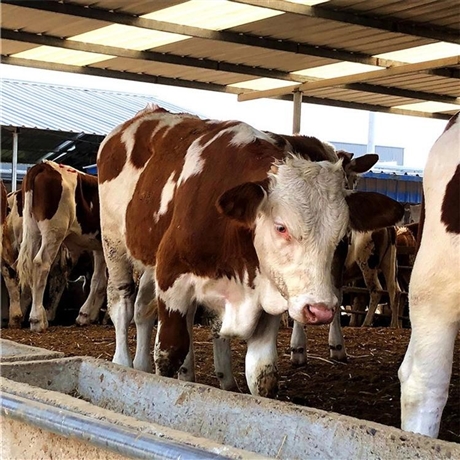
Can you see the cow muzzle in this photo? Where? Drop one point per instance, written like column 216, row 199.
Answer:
column 318, row 313
column 311, row 309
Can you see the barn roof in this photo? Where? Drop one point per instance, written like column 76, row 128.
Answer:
column 62, row 122
column 70, row 109
column 382, row 55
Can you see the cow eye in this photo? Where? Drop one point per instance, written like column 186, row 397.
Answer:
column 281, row 229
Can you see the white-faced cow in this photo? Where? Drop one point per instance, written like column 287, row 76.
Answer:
column 216, row 213
column 434, row 290
column 61, row 206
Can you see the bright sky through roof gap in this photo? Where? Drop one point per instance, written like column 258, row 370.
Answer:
column 423, row 53
column 62, row 56
column 213, row 15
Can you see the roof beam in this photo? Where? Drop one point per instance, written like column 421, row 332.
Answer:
column 356, row 17
column 367, row 107
column 155, row 79
column 112, row 17
column 402, row 92
column 355, row 78
column 108, row 73
column 222, row 66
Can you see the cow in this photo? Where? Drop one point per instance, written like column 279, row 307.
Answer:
column 405, row 253
column 434, row 290
column 375, row 252
column 11, row 238
column 3, row 202
column 216, row 213
column 61, row 207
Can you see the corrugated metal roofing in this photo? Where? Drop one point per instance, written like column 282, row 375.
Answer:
column 63, row 108
column 404, row 188
column 298, row 37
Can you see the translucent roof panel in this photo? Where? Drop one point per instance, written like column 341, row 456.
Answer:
column 215, row 15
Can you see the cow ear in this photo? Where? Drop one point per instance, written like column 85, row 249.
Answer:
column 242, row 202
column 371, row 211
column 362, row 164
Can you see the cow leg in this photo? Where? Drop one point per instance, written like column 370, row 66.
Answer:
column 172, row 342
column 373, row 285
column 41, row 268
column 336, row 342
column 57, row 282
column 120, row 298
column 337, row 349
column 223, row 363
column 89, row 312
column 145, row 314
column 298, row 345
column 187, row 369
column 261, row 357
column 426, row 370
column 389, row 269
column 14, row 294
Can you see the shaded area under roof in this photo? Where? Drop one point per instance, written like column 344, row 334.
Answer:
column 63, row 123
column 245, row 46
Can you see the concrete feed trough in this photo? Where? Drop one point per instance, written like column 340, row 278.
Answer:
column 13, row 351
column 140, row 415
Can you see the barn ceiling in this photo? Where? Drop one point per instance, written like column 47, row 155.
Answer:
column 394, row 56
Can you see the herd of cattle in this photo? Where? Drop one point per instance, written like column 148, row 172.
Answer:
column 188, row 212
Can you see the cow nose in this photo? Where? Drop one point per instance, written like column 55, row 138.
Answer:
column 318, row 313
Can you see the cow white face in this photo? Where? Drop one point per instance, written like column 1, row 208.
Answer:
column 298, row 218
column 297, row 229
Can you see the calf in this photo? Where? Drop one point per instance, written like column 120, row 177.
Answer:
column 61, row 206
column 217, row 213
column 434, row 291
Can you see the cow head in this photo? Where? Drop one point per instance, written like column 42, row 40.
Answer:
column 356, row 166
column 298, row 217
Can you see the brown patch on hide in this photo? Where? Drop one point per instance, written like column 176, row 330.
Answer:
column 45, row 183
column 450, row 211
column 173, row 340
column 87, row 203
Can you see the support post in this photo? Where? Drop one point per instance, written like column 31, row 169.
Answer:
column 14, row 161
column 371, row 133
column 297, row 112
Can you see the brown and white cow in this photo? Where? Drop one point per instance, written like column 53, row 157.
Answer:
column 61, row 206
column 434, row 290
column 216, row 213
column 406, row 244
column 374, row 253
column 3, row 202
column 11, row 240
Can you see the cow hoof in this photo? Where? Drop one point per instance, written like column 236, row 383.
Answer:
column 338, row 353
column 298, row 356
column 83, row 319
column 15, row 322
column 227, row 383
column 266, row 383
column 38, row 326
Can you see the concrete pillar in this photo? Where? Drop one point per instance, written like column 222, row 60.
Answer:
column 371, row 133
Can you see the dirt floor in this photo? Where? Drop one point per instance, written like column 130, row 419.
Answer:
column 366, row 387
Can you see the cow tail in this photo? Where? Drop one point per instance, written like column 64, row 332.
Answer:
column 30, row 243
